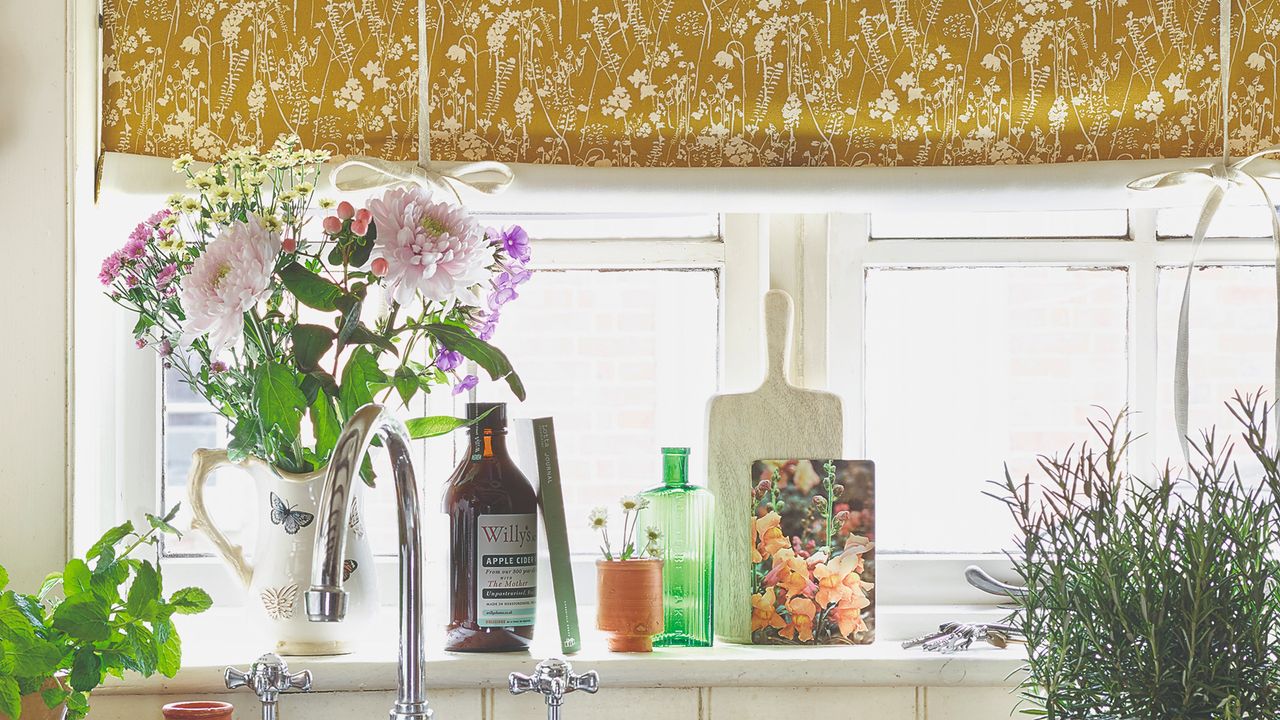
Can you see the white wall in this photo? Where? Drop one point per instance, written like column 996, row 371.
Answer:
column 34, row 295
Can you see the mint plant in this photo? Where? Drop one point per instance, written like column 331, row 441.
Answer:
column 112, row 617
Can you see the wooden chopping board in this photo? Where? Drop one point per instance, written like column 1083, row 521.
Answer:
column 776, row 421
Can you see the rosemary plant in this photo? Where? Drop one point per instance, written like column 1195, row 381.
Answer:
column 1151, row 600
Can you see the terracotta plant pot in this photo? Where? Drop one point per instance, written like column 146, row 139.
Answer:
column 630, row 603
column 197, row 710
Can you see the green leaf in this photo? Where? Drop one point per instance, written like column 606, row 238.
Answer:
column 4, row 578
column 310, row 289
column 360, row 334
column 406, row 383
column 163, row 525
column 83, row 617
column 278, row 399
column 10, row 697
column 77, row 705
column 14, row 623
column 144, row 599
column 142, row 652
column 436, row 425
column 169, row 657
column 76, row 578
column 493, row 360
column 350, row 319
column 86, row 669
column 109, row 539
column 316, row 381
column 310, row 343
column 244, row 439
column 35, row 657
column 53, row 697
column 190, row 601
column 325, row 424
column 361, row 371
column 173, row 512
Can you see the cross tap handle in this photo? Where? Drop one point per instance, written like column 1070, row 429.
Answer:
column 267, row 677
column 553, row 678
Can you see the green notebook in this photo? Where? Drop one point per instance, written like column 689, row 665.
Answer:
column 536, row 447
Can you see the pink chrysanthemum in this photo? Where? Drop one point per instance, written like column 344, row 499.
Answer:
column 232, row 275
column 433, row 248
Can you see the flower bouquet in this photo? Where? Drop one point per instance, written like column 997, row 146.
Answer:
column 273, row 320
column 810, row 556
column 288, row 329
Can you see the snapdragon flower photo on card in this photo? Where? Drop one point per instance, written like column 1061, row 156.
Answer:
column 812, row 555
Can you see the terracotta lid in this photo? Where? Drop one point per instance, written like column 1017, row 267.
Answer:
column 197, row 710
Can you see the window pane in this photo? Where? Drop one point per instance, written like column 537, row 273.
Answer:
column 554, row 226
column 1233, row 325
column 1042, row 224
column 189, row 424
column 624, row 362
column 970, row 368
column 1231, row 221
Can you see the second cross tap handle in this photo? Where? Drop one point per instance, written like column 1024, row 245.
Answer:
column 267, row 677
column 553, row 678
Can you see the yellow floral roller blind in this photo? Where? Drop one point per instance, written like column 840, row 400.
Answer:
column 695, row 82
column 202, row 76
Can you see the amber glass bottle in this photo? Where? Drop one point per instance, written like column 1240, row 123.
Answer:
column 493, row 543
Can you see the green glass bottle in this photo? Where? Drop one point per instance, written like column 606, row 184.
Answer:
column 683, row 513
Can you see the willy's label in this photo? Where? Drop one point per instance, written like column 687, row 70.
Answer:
column 507, row 559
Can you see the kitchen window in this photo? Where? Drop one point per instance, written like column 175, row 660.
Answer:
column 959, row 342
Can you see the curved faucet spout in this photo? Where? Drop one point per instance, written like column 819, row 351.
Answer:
column 326, row 600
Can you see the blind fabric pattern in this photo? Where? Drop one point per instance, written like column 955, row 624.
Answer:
column 205, row 76
column 673, row 83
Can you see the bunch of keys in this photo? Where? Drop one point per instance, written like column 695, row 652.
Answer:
column 956, row 636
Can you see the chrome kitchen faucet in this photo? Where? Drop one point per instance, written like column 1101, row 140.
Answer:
column 326, row 600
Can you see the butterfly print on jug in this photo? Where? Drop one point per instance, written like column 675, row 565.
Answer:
column 293, row 520
column 279, row 602
column 348, row 566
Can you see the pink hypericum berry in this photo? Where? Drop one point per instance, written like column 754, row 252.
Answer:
column 289, row 245
column 332, row 225
column 363, row 215
column 379, row 267
column 359, row 228
column 345, row 210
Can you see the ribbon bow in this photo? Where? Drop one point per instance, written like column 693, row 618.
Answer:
column 488, row 177
column 1220, row 177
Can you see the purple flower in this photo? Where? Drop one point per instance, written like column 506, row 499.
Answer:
column 166, row 348
column 488, row 328
column 218, row 366
column 111, row 267
column 158, row 217
column 466, row 384
column 448, row 360
column 139, row 343
column 135, row 248
column 515, row 241
column 166, row 275
column 501, row 296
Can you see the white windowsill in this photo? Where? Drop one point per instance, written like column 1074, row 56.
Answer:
column 211, row 643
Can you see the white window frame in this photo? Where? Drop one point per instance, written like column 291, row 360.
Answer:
column 822, row 260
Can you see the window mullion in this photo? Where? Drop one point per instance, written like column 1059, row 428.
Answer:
column 846, row 252
column 1143, row 337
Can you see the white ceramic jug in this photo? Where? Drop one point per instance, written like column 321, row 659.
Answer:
column 280, row 572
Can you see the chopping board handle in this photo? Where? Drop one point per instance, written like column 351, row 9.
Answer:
column 778, row 313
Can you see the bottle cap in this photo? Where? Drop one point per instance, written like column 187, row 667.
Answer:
column 495, row 420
